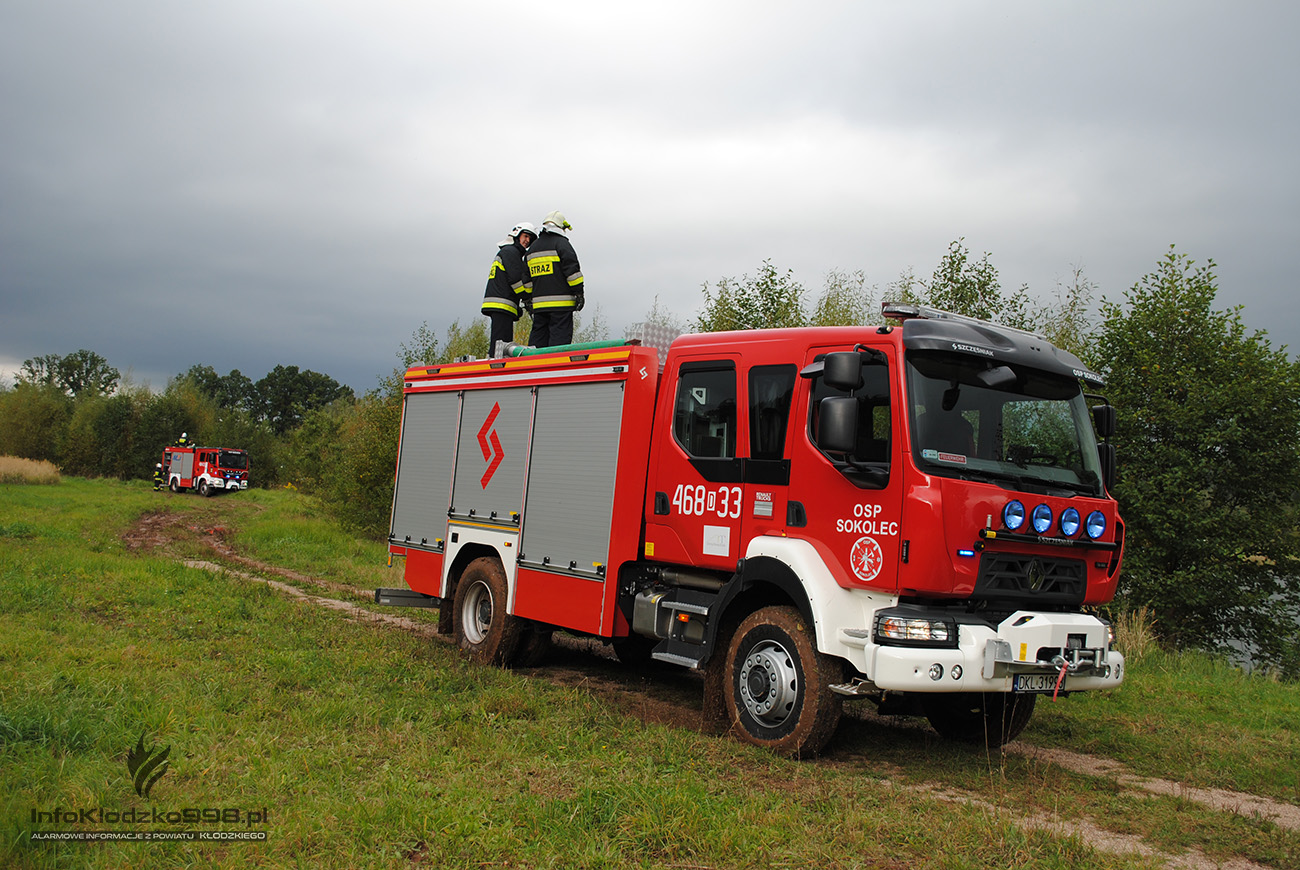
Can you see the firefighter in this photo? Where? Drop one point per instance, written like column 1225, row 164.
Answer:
column 183, row 441
column 507, row 284
column 557, row 283
column 157, row 476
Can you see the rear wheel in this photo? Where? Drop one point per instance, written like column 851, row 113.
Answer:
column 480, row 623
column 778, row 686
column 175, row 485
column 980, row 718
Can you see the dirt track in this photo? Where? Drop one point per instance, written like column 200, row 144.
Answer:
column 674, row 701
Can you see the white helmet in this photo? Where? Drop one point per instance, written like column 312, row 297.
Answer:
column 521, row 227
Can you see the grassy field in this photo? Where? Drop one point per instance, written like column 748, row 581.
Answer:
column 355, row 744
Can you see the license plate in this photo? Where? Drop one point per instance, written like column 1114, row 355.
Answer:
column 1034, row 684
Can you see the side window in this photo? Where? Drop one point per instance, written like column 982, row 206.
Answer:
column 868, row 464
column 771, row 390
column 704, row 418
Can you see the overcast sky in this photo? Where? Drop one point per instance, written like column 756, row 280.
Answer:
column 246, row 184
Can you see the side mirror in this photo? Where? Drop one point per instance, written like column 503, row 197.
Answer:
column 842, row 370
column 837, row 424
column 1103, row 418
column 1106, row 454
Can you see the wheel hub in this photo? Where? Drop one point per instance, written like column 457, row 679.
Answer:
column 769, row 683
column 477, row 613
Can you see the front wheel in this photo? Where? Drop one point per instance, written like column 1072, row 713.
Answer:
column 204, row 489
column 778, row 691
column 480, row 623
column 981, row 718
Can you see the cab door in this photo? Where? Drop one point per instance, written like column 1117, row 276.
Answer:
column 850, row 504
column 696, row 494
column 769, row 395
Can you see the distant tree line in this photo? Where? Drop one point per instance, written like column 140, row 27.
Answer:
column 1208, row 433
column 72, row 411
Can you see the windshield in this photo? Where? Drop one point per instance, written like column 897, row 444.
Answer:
column 1010, row 425
column 233, row 459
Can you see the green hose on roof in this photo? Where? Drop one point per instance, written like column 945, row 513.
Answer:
column 522, row 350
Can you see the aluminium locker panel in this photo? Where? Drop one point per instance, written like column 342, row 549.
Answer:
column 493, row 453
column 424, row 469
column 571, row 476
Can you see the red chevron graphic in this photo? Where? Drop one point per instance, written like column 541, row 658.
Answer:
column 493, row 454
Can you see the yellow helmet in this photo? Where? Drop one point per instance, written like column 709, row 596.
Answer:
column 556, row 222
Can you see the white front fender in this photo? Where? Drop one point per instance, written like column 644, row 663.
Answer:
column 841, row 617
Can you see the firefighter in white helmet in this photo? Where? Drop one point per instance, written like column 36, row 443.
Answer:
column 557, row 283
column 507, row 284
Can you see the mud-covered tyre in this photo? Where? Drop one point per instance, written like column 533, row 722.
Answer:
column 480, row 623
column 778, row 691
column 979, row 718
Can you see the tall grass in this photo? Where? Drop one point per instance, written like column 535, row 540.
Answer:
column 1135, row 634
column 16, row 470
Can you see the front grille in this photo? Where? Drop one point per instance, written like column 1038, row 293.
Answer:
column 1031, row 580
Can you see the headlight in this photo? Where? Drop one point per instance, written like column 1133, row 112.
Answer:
column 1013, row 515
column 1069, row 522
column 1096, row 524
column 910, row 630
column 1042, row 518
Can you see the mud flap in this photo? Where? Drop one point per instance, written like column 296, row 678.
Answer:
column 713, row 713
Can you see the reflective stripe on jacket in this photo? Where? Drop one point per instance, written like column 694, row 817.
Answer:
column 553, row 268
column 507, row 281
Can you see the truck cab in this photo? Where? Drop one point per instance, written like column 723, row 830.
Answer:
column 928, row 497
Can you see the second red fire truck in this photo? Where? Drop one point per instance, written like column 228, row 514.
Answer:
column 207, row 470
column 915, row 514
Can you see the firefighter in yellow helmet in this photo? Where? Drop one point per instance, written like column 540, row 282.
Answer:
column 507, row 284
column 557, row 283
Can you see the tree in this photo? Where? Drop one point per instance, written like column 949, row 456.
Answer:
column 844, row 301
column 228, row 391
column 40, row 370
column 595, row 329
column 769, row 300
column 77, row 374
column 34, row 421
column 1209, row 441
column 972, row 288
column 286, row 393
column 1067, row 321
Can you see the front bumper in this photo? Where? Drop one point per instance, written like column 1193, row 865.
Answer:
column 986, row 659
column 230, row 484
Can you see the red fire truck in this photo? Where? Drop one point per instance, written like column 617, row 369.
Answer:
column 206, row 469
column 915, row 514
